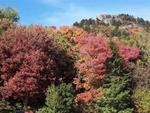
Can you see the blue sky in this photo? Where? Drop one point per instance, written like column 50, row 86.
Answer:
column 66, row 12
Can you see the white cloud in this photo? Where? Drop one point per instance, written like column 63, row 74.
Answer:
column 70, row 15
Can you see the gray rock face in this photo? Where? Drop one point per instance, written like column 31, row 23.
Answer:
column 108, row 19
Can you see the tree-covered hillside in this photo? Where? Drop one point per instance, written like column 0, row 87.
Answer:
column 95, row 66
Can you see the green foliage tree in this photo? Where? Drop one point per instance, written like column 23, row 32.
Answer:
column 9, row 13
column 141, row 99
column 59, row 99
column 88, row 25
column 116, row 87
column 141, row 87
column 121, row 34
column 141, row 76
column 8, row 17
column 116, row 96
column 65, row 44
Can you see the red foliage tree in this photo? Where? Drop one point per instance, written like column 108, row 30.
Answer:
column 29, row 62
column 94, row 52
column 127, row 53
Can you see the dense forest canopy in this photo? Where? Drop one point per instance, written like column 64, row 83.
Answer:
column 97, row 65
